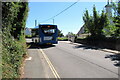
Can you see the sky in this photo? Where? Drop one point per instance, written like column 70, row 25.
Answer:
column 70, row 20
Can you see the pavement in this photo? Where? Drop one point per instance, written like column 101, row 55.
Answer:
column 33, row 66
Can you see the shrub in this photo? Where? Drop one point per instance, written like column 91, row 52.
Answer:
column 62, row 39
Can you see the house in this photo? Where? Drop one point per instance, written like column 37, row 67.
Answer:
column 27, row 31
column 81, row 31
column 109, row 8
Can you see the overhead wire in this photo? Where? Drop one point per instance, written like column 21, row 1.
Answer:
column 61, row 11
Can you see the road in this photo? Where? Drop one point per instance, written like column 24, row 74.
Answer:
column 69, row 61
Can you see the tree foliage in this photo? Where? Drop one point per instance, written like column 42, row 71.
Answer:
column 20, row 20
column 117, row 21
column 95, row 23
column 70, row 34
column 60, row 34
column 14, row 15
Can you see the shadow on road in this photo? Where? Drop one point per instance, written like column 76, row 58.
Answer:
column 86, row 47
column 115, row 58
column 37, row 46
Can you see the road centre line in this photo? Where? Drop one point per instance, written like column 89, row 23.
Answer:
column 50, row 65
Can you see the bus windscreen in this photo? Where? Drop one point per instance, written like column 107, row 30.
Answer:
column 48, row 30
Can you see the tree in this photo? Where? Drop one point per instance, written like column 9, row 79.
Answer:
column 60, row 34
column 117, row 21
column 88, row 22
column 95, row 23
column 70, row 34
column 14, row 15
column 19, row 23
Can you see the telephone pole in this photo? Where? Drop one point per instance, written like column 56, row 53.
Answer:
column 53, row 21
column 35, row 22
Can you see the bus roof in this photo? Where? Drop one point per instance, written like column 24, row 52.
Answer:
column 48, row 24
column 43, row 25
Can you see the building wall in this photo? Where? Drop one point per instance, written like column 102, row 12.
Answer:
column 27, row 31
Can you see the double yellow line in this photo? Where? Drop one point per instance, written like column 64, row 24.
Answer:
column 50, row 65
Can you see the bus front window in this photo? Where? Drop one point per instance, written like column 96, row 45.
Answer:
column 49, row 31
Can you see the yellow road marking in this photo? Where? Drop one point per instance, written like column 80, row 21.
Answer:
column 50, row 65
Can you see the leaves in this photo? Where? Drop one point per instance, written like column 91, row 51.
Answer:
column 60, row 34
column 95, row 23
column 14, row 15
column 99, row 24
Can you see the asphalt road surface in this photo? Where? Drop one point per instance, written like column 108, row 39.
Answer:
column 69, row 61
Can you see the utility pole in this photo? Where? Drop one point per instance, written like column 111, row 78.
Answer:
column 53, row 21
column 35, row 22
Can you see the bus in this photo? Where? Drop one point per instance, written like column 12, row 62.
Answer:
column 45, row 34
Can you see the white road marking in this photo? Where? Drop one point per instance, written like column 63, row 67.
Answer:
column 29, row 58
column 50, row 65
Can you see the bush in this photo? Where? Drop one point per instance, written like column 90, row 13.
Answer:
column 12, row 55
column 13, row 39
column 103, row 42
column 28, row 36
column 62, row 39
